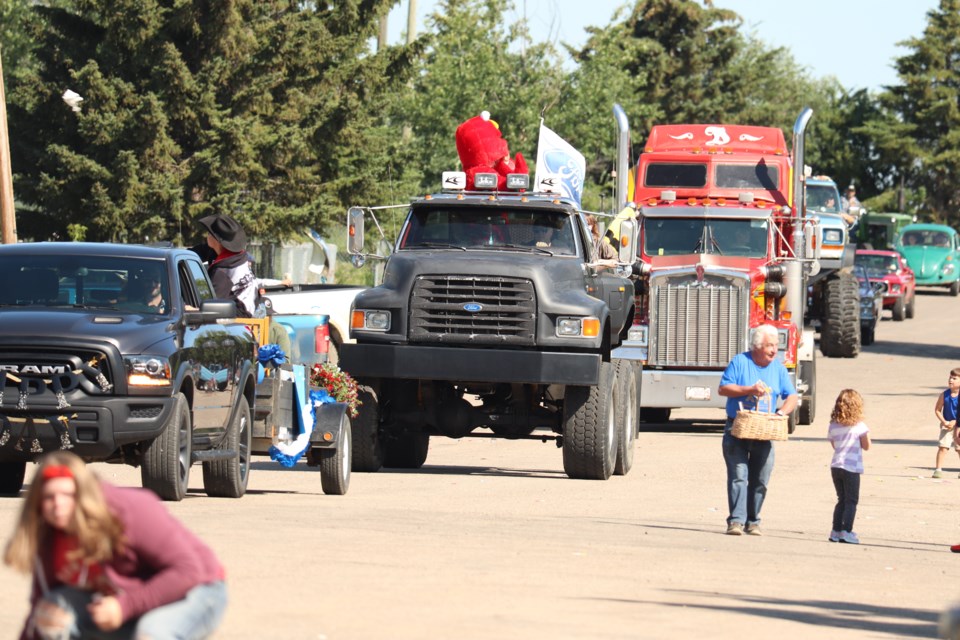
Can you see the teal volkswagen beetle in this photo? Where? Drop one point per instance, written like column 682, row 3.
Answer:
column 933, row 252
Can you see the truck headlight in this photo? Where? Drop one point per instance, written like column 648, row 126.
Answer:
column 638, row 334
column 370, row 320
column 578, row 327
column 832, row 236
column 147, row 371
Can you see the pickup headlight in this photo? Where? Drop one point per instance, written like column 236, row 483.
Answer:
column 578, row 327
column 370, row 320
column 147, row 371
column 832, row 236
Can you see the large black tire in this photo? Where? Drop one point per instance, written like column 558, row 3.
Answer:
column 12, row 475
column 625, row 410
column 590, row 429
column 228, row 478
column 406, row 451
column 912, row 306
column 808, row 401
column 899, row 310
column 840, row 325
column 367, row 449
column 955, row 288
column 335, row 464
column 166, row 461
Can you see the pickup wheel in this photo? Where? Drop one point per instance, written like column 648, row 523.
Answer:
column 625, row 410
column 367, row 449
column 11, row 477
column 590, row 428
column 228, row 478
column 166, row 461
column 335, row 464
column 406, row 451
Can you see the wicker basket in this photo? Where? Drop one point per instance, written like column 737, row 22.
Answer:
column 759, row 425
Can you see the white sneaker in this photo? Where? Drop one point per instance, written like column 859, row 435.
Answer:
column 849, row 537
column 834, row 536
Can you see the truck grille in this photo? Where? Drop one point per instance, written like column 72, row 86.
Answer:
column 474, row 310
column 85, row 369
column 698, row 324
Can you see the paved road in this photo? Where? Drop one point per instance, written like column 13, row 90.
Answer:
column 490, row 539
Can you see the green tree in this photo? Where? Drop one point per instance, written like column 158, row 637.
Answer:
column 266, row 110
column 921, row 126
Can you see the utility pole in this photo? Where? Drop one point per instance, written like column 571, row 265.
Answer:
column 8, row 220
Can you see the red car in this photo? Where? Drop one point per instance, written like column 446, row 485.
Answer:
column 900, row 284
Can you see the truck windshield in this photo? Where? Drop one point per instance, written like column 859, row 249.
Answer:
column 125, row 284
column 823, row 198
column 491, row 228
column 683, row 236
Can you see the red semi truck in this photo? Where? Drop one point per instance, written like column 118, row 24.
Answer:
column 721, row 251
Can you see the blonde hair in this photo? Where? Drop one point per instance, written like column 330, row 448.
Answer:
column 98, row 531
column 848, row 410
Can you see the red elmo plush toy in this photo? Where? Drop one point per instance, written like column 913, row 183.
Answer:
column 482, row 149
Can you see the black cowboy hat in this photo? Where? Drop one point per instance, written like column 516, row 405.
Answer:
column 226, row 230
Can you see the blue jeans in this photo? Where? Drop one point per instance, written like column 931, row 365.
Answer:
column 847, row 484
column 749, row 465
column 193, row 618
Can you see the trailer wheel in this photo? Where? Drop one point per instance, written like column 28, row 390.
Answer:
column 166, row 461
column 406, row 450
column 11, row 477
column 335, row 464
column 625, row 411
column 808, row 402
column 367, row 450
column 590, row 428
column 840, row 326
column 228, row 478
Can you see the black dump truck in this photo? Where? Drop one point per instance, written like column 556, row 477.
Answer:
column 122, row 354
column 494, row 319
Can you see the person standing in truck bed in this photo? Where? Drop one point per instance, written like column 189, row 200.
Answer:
column 230, row 270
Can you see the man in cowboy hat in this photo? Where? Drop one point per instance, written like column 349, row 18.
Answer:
column 229, row 269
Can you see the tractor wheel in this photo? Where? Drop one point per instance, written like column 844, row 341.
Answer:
column 840, row 327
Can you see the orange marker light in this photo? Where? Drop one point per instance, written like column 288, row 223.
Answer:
column 591, row 327
column 356, row 321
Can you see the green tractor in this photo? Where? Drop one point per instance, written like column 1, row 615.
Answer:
column 880, row 230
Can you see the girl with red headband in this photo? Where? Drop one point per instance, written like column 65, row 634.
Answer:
column 110, row 562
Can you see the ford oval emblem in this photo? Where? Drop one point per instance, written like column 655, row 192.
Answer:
column 472, row 307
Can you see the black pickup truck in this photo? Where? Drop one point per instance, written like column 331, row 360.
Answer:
column 493, row 314
column 122, row 354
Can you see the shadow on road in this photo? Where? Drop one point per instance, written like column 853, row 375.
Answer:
column 450, row 470
column 680, row 425
column 899, row 622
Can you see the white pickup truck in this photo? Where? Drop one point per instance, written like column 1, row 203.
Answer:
column 333, row 300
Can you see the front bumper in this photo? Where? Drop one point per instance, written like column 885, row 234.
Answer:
column 416, row 362
column 676, row 389
column 99, row 427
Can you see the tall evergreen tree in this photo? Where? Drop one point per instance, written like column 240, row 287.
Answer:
column 266, row 110
column 924, row 126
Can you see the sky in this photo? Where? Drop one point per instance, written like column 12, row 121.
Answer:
column 853, row 40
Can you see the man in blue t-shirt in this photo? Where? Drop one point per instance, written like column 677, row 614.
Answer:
column 750, row 376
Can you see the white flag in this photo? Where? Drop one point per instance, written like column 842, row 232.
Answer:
column 559, row 166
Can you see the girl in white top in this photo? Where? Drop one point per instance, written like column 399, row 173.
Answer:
column 849, row 437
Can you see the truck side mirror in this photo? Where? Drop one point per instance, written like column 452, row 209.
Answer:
column 355, row 231
column 627, row 242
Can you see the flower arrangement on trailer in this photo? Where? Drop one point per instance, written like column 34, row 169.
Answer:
column 338, row 383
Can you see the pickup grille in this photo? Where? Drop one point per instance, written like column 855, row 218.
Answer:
column 474, row 310
column 73, row 371
column 698, row 324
